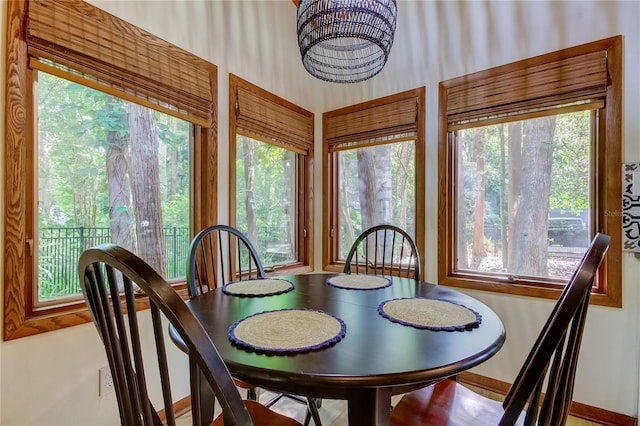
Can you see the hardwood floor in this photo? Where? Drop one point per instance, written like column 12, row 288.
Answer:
column 334, row 412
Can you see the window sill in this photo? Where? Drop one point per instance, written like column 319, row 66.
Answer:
column 295, row 269
column 57, row 318
column 334, row 267
column 553, row 293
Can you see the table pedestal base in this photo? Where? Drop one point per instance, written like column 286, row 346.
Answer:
column 370, row 407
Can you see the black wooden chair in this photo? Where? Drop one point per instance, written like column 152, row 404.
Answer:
column 113, row 281
column 220, row 254
column 552, row 361
column 384, row 250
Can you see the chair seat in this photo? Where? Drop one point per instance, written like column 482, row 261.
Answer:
column 262, row 416
column 446, row 403
column 242, row 384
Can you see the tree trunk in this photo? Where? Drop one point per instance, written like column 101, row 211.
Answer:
column 461, row 218
column 173, row 187
column 289, row 194
column 504, row 209
column 515, row 171
column 406, row 156
column 367, row 193
column 384, row 180
column 249, row 150
column 118, row 188
column 174, row 177
column 145, row 184
column 478, row 252
column 347, row 223
column 367, row 187
column 384, row 195
column 530, row 243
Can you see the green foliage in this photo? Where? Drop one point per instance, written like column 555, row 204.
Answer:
column 73, row 124
column 570, row 168
column 174, row 212
column 272, row 197
column 571, row 163
column 402, row 189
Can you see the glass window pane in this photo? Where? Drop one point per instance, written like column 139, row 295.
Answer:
column 524, row 196
column 376, row 185
column 266, row 207
column 108, row 171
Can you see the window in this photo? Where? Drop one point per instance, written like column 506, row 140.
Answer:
column 531, row 172
column 271, row 150
column 373, row 175
column 117, row 153
column 98, row 159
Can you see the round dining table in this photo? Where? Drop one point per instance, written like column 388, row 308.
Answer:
column 376, row 357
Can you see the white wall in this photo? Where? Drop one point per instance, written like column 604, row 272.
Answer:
column 52, row 378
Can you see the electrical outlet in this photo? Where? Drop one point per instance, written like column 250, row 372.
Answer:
column 105, row 381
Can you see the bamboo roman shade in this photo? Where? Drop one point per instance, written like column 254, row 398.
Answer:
column 545, row 85
column 262, row 114
column 393, row 117
column 119, row 55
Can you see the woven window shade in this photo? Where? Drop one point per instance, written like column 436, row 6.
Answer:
column 82, row 37
column 556, row 82
column 262, row 114
column 380, row 122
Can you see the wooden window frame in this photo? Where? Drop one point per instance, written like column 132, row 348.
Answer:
column 274, row 120
column 608, row 194
column 20, row 215
column 368, row 126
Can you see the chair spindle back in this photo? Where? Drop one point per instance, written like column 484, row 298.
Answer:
column 384, row 250
column 113, row 281
column 554, row 355
column 221, row 254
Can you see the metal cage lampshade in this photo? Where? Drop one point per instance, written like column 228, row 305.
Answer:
column 345, row 41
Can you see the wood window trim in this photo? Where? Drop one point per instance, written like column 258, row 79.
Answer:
column 608, row 168
column 302, row 146
column 330, row 241
column 20, row 319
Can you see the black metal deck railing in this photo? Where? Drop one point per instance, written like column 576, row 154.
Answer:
column 59, row 250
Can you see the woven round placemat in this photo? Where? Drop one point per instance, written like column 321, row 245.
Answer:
column 258, row 287
column 287, row 331
column 431, row 314
column 359, row 281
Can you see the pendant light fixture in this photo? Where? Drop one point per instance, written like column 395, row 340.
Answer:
column 345, row 41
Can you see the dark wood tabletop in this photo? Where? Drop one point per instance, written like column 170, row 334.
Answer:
column 377, row 357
